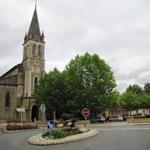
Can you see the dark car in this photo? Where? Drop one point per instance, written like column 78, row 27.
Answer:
column 146, row 116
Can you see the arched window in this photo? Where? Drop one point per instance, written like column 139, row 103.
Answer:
column 7, row 99
column 39, row 50
column 35, row 82
column 33, row 50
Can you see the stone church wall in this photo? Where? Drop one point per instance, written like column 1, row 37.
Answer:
column 9, row 81
column 8, row 113
column 17, row 84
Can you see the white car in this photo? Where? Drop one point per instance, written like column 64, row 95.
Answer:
column 116, row 118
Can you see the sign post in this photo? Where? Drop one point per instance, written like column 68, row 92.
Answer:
column 50, row 126
column 85, row 113
column 54, row 118
column 42, row 108
column 20, row 110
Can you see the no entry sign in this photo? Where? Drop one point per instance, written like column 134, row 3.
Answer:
column 85, row 112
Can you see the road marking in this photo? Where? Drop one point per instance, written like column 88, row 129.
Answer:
column 123, row 129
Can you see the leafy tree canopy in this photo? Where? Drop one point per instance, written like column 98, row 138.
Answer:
column 130, row 101
column 87, row 81
column 135, row 89
column 135, row 97
column 147, row 88
column 52, row 92
column 91, row 82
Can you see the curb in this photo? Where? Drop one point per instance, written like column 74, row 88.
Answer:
column 38, row 140
column 1, row 130
column 110, row 125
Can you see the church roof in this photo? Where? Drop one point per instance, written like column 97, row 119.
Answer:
column 34, row 26
column 11, row 76
column 34, row 32
column 17, row 67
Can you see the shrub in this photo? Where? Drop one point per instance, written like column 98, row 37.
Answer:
column 46, row 134
column 71, row 131
column 66, row 116
column 61, row 133
column 55, row 134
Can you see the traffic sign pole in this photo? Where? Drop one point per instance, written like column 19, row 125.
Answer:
column 85, row 118
column 85, row 113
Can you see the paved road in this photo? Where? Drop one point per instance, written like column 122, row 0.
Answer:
column 110, row 138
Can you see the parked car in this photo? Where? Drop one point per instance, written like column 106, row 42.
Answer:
column 146, row 116
column 97, row 120
column 116, row 118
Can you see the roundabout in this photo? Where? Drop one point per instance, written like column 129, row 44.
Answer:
column 39, row 140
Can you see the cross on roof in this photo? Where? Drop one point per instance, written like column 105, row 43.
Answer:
column 35, row 2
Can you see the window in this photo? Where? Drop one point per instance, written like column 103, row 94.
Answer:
column 35, row 82
column 7, row 99
column 39, row 50
column 34, row 48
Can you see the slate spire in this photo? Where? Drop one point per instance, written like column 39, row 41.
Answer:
column 34, row 32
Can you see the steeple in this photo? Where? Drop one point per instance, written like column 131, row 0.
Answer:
column 34, row 29
column 33, row 56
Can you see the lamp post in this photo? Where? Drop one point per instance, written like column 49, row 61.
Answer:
column 42, row 107
column 54, row 117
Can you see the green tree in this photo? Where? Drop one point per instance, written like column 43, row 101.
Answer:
column 135, row 89
column 145, row 101
column 87, row 81
column 52, row 92
column 90, row 82
column 130, row 101
column 132, row 98
column 115, row 100
column 147, row 88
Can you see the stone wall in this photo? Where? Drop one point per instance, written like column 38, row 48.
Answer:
column 8, row 113
column 9, row 81
column 138, row 120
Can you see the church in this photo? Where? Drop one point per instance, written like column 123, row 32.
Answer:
column 17, row 85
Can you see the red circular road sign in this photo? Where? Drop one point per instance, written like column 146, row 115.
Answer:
column 85, row 112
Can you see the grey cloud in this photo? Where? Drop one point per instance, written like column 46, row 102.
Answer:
column 119, row 31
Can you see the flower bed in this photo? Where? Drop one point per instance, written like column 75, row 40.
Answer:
column 71, row 131
column 61, row 133
column 15, row 126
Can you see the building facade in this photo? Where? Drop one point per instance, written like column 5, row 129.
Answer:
column 17, row 85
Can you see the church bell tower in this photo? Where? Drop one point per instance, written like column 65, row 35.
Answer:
column 33, row 56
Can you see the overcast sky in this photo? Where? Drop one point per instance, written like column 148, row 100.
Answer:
column 117, row 30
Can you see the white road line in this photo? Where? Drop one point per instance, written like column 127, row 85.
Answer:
column 123, row 129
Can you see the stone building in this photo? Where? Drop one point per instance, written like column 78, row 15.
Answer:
column 17, row 85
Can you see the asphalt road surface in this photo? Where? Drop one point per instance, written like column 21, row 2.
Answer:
column 110, row 138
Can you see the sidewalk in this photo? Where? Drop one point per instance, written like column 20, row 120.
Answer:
column 117, row 124
column 2, row 125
